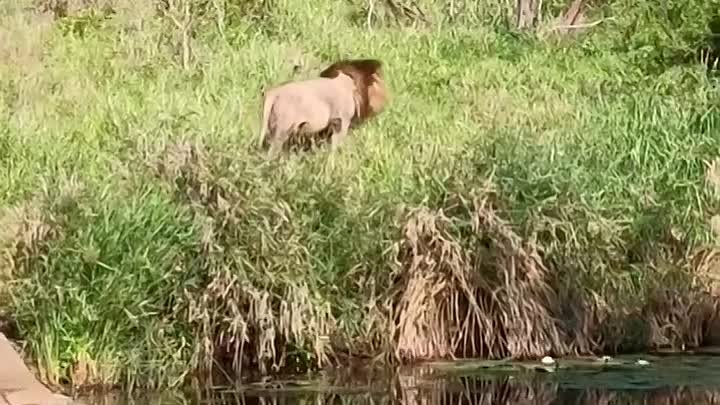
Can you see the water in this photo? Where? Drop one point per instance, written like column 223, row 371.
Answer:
column 677, row 380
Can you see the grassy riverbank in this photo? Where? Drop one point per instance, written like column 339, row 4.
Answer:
column 519, row 196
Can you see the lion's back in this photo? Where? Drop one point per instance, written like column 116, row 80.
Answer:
column 301, row 102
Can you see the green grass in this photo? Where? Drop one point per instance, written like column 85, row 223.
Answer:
column 159, row 232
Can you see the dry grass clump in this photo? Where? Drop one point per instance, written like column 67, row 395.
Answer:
column 240, row 324
column 21, row 47
column 679, row 312
column 23, row 230
column 487, row 296
column 705, row 272
column 253, row 309
column 467, row 284
column 72, row 8
column 27, row 227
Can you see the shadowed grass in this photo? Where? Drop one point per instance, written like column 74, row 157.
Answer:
column 518, row 197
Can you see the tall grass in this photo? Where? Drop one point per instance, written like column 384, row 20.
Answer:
column 519, row 197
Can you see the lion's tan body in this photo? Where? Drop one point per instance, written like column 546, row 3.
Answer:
column 308, row 106
column 348, row 92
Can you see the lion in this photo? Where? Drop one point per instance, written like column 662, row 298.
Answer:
column 346, row 94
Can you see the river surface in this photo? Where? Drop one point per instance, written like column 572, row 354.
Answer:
column 677, row 380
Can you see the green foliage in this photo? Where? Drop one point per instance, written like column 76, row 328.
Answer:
column 597, row 148
column 110, row 287
column 657, row 36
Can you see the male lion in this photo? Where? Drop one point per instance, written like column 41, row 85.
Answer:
column 346, row 93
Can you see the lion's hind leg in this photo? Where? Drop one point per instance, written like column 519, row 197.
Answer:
column 281, row 138
column 275, row 146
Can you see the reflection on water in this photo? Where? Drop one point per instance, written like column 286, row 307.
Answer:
column 677, row 381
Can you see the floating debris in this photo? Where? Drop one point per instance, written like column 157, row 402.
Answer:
column 545, row 364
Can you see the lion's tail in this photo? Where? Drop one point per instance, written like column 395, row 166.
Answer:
column 267, row 120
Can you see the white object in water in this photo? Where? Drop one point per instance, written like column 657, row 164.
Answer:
column 547, row 360
column 606, row 358
column 642, row 362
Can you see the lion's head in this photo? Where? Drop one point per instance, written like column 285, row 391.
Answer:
column 368, row 77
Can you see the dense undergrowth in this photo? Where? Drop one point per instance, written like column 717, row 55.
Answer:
column 521, row 196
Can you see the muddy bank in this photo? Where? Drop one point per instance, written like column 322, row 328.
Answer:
column 18, row 386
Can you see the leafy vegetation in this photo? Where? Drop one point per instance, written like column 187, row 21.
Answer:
column 522, row 195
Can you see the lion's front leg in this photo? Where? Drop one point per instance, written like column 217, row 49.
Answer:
column 340, row 131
